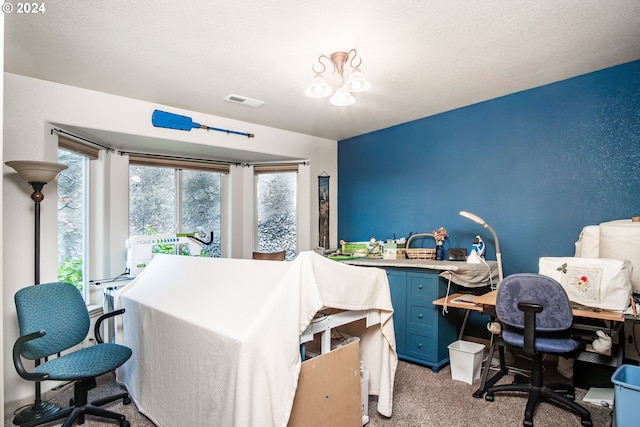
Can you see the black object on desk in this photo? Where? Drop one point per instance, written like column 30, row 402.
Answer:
column 114, row 282
column 457, row 254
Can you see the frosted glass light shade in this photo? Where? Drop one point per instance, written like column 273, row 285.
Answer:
column 319, row 88
column 357, row 82
column 342, row 98
column 35, row 171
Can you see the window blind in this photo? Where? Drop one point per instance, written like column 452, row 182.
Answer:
column 178, row 163
column 87, row 150
column 275, row 168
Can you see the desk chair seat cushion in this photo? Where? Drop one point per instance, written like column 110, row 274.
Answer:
column 88, row 362
column 557, row 345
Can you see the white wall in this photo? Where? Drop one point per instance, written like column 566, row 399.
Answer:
column 31, row 105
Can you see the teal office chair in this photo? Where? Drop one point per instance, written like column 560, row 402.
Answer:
column 53, row 318
column 536, row 316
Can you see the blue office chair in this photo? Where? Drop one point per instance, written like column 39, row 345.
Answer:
column 536, row 316
column 53, row 318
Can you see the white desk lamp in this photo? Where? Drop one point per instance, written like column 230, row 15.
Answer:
column 482, row 222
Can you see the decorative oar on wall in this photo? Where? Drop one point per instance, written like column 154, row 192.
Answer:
column 163, row 119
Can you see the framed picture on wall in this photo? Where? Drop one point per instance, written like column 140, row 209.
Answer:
column 323, row 206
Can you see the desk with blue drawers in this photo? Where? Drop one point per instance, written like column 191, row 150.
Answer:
column 422, row 332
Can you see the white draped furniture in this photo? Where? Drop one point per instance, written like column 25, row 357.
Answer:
column 217, row 341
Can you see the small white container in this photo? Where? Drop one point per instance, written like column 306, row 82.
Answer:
column 465, row 358
column 364, row 391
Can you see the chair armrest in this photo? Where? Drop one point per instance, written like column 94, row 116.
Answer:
column 530, row 310
column 96, row 331
column 17, row 359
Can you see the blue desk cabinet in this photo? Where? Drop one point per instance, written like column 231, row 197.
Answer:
column 398, row 287
column 422, row 333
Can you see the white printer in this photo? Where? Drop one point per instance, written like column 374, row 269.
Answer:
column 140, row 249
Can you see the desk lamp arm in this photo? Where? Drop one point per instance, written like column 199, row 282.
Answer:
column 475, row 218
column 498, row 253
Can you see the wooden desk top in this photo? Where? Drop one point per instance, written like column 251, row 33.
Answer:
column 464, row 305
column 489, row 300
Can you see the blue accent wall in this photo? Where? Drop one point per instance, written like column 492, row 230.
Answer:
column 536, row 165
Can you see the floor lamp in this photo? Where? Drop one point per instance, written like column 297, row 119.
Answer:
column 37, row 174
column 482, row 222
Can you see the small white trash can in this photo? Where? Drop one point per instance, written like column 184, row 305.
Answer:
column 465, row 358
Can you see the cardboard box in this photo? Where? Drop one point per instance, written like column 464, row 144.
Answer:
column 328, row 391
column 393, row 251
column 353, row 247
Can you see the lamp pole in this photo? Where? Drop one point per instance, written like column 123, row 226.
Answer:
column 37, row 197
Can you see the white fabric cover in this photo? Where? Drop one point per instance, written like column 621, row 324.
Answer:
column 620, row 239
column 588, row 244
column 216, row 341
column 594, row 282
column 462, row 273
column 472, row 275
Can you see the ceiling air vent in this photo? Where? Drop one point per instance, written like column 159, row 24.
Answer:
column 237, row 99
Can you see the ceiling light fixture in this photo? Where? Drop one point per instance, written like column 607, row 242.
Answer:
column 319, row 88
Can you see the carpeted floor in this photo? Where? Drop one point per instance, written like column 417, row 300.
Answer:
column 421, row 398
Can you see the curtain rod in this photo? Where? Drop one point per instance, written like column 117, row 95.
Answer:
column 163, row 156
column 306, row 162
column 64, row 132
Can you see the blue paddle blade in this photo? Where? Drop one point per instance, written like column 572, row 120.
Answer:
column 163, row 119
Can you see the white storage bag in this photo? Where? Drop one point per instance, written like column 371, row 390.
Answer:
column 588, row 244
column 594, row 282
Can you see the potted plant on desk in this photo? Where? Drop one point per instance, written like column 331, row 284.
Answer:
column 440, row 235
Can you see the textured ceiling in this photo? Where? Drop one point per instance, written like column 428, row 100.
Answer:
column 421, row 57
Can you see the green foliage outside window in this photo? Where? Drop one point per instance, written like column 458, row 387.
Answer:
column 70, row 270
column 71, row 218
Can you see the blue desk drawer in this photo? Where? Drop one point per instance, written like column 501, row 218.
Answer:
column 422, row 316
column 423, row 286
column 421, row 346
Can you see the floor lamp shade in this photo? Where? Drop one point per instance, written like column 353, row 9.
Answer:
column 34, row 171
column 37, row 174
